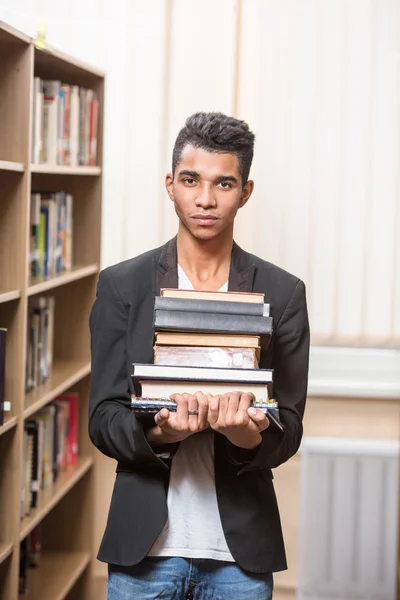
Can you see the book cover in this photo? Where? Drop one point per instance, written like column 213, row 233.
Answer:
column 181, row 373
column 165, row 320
column 212, row 295
column 176, row 338
column 212, row 306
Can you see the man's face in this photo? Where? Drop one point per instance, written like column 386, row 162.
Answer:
column 207, row 191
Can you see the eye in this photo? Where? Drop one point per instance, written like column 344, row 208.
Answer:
column 189, row 181
column 225, row 185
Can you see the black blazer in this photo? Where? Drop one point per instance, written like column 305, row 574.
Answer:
column 121, row 325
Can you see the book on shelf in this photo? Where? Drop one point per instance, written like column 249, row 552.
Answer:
column 64, row 124
column 50, row 446
column 30, row 554
column 51, row 233
column 5, row 405
column 205, row 341
column 40, row 337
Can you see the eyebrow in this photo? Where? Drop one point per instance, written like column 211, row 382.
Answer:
column 196, row 175
column 188, row 173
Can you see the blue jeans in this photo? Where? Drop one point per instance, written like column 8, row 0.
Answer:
column 184, row 579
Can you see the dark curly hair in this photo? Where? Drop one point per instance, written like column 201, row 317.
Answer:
column 216, row 132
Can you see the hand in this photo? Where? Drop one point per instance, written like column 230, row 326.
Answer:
column 176, row 426
column 231, row 415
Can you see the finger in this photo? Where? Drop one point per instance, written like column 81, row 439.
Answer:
column 161, row 418
column 202, row 402
column 213, row 410
column 232, row 408
column 223, row 409
column 182, row 421
column 193, row 407
column 259, row 418
column 245, row 402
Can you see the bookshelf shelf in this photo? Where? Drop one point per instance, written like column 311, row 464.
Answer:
column 65, row 170
column 40, row 285
column 9, row 296
column 31, row 228
column 5, row 551
column 50, row 496
column 10, row 165
column 64, row 375
column 8, row 424
column 56, row 575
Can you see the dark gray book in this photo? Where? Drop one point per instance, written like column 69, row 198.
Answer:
column 211, row 306
column 206, row 322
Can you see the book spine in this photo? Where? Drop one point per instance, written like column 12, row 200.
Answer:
column 192, row 356
column 3, row 337
column 211, row 323
column 209, row 306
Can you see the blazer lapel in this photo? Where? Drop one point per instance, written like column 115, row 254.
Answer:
column 242, row 272
column 165, row 269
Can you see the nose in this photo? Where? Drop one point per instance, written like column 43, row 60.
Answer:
column 206, row 197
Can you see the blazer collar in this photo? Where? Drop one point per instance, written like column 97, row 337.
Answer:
column 241, row 273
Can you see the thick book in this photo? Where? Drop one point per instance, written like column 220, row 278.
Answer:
column 177, row 338
column 191, row 356
column 211, row 306
column 145, row 408
column 165, row 320
column 251, row 297
column 159, row 388
column 180, row 373
column 3, row 338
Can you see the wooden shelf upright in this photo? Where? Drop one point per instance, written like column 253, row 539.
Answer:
column 64, row 510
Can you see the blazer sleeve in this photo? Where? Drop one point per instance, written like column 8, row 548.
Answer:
column 113, row 428
column 290, row 363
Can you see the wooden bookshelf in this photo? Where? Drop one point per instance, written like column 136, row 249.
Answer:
column 64, row 510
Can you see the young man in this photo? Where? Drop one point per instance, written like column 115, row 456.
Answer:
column 193, row 512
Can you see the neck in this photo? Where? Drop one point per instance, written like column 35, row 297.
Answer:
column 205, row 261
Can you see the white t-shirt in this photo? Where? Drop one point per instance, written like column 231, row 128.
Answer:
column 193, row 528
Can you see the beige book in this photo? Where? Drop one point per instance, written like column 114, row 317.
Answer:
column 250, row 297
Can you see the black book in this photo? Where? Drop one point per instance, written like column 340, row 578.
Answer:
column 206, row 322
column 32, row 428
column 230, row 375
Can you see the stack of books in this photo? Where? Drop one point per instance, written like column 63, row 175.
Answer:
column 209, row 342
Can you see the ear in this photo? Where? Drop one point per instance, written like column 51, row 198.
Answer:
column 169, row 181
column 246, row 193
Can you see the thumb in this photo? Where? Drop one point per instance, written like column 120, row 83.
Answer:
column 161, row 417
column 258, row 417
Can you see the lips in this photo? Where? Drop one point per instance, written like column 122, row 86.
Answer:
column 206, row 220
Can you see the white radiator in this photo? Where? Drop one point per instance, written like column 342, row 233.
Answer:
column 348, row 519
